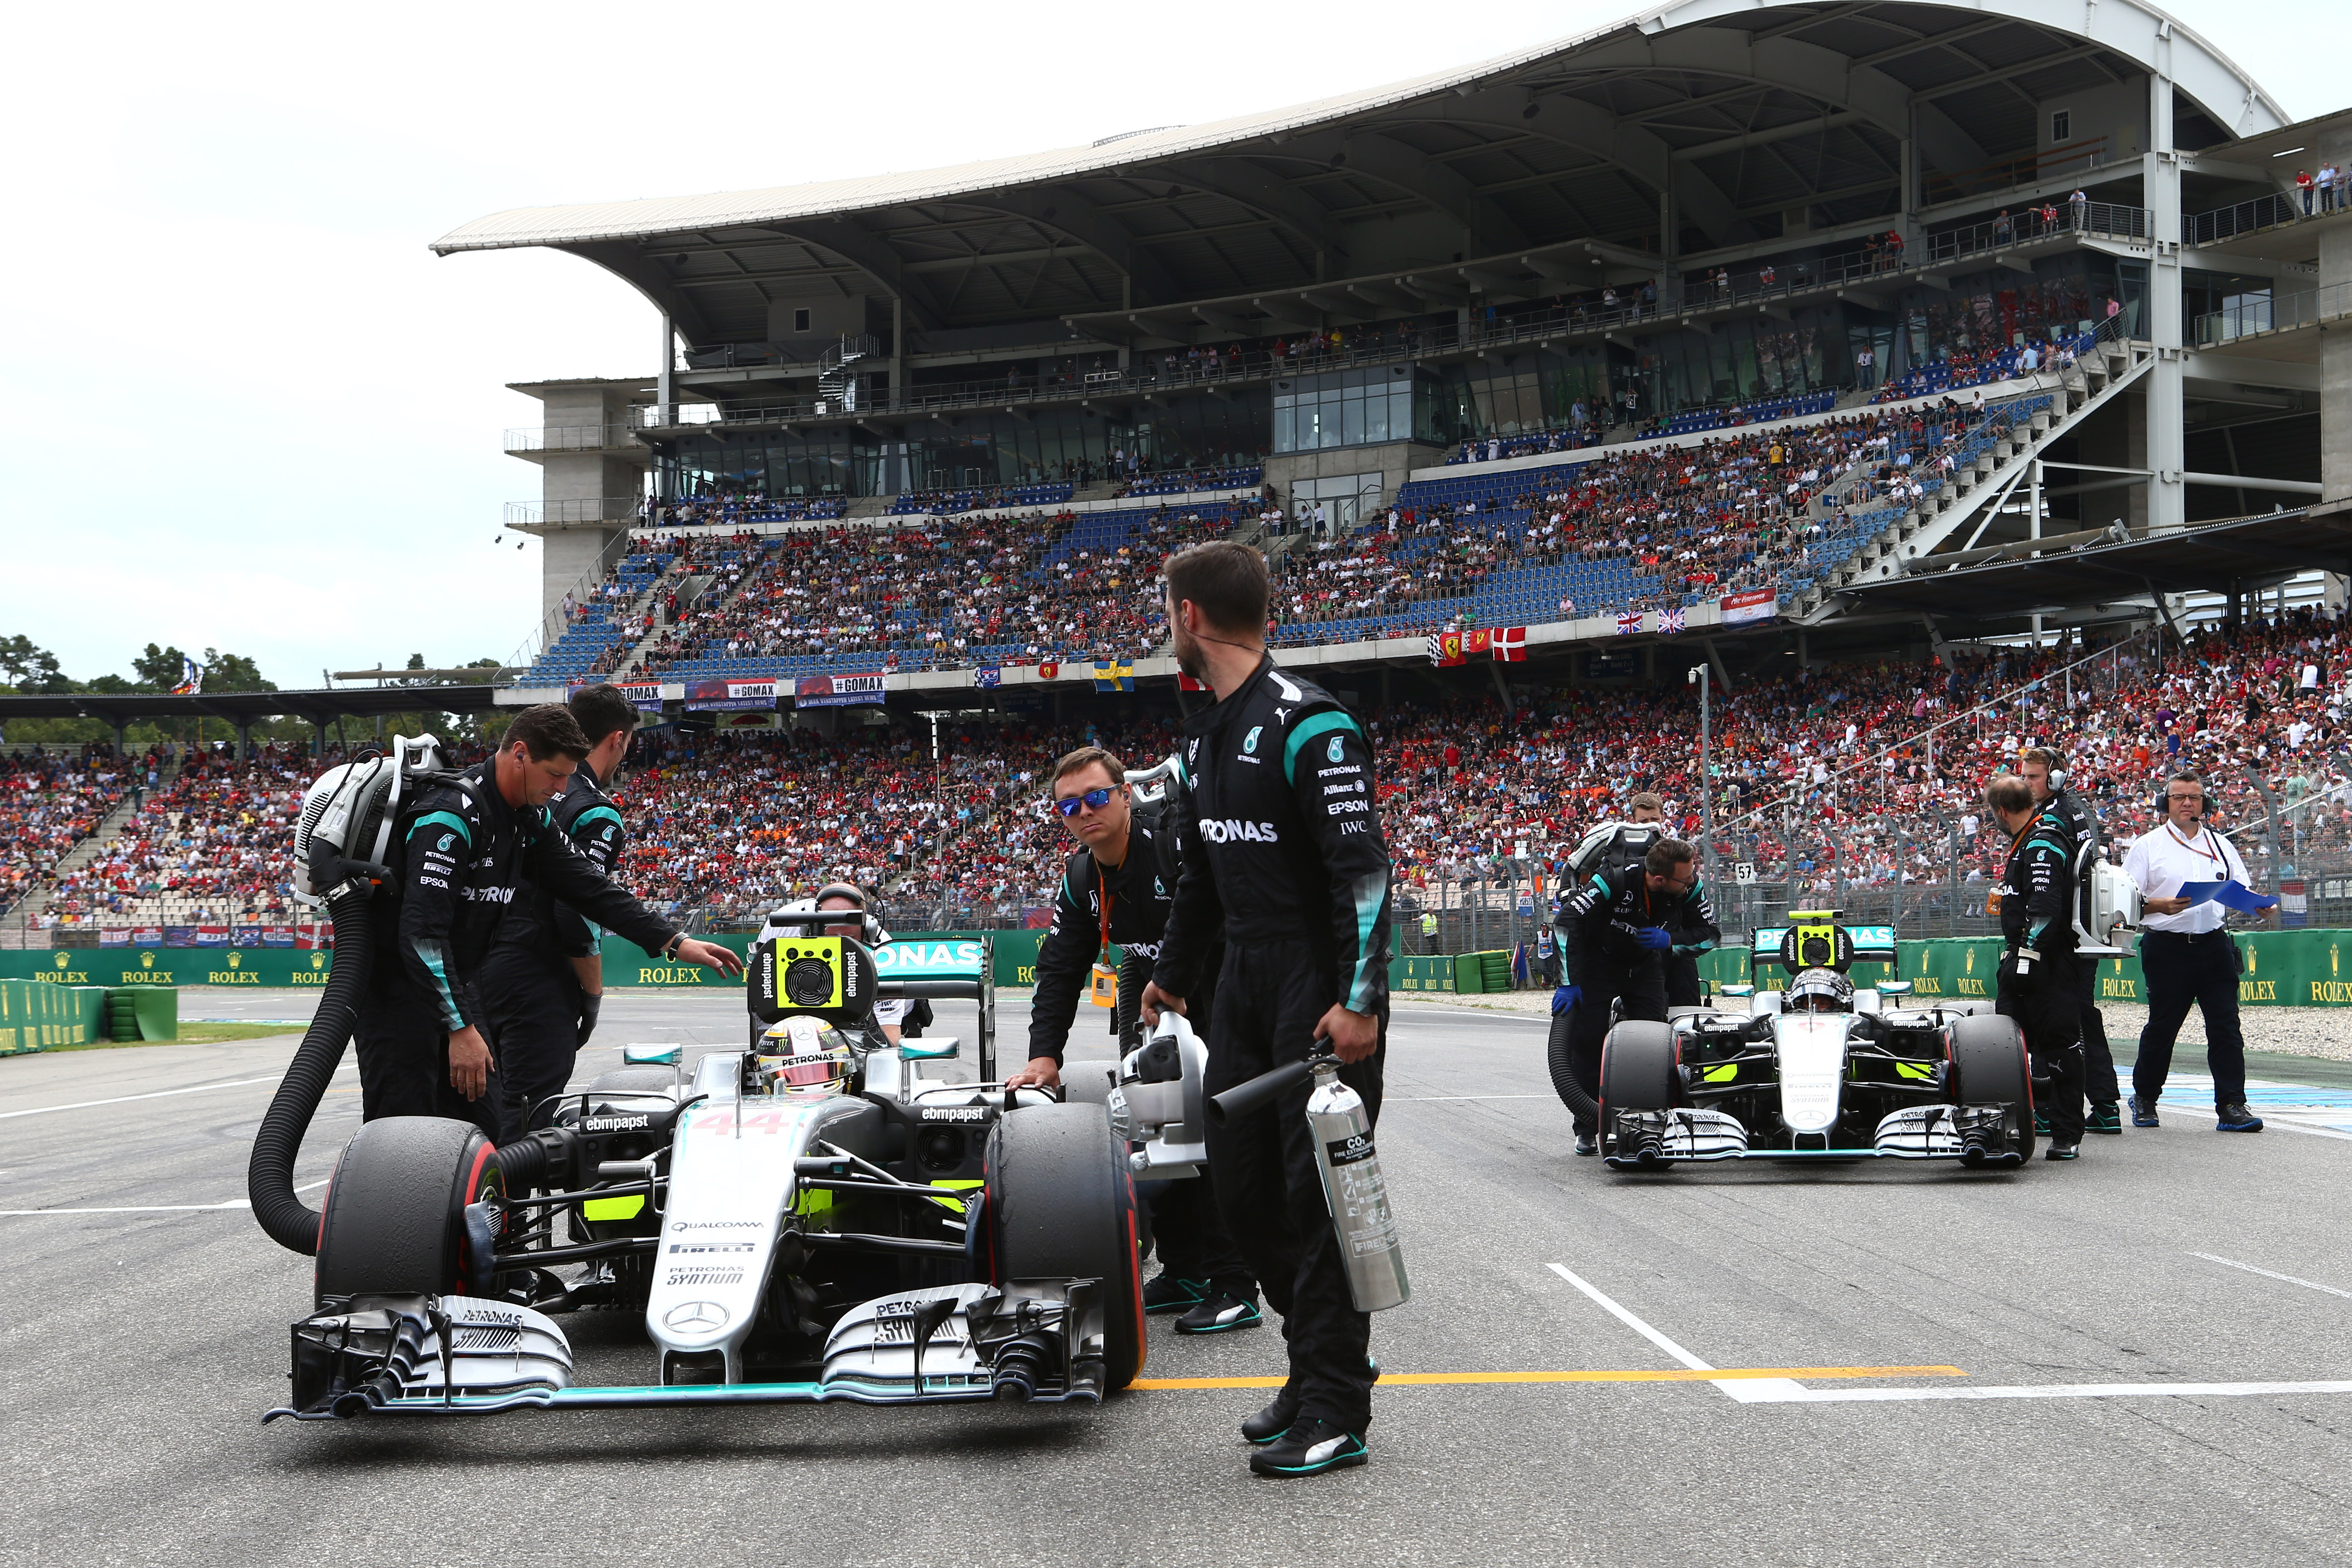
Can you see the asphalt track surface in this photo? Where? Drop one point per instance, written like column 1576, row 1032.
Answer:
column 2140, row 1357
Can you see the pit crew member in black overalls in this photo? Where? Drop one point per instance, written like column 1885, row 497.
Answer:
column 544, row 979
column 2037, row 963
column 2039, row 767
column 1118, row 889
column 1617, row 934
column 461, row 851
column 1682, row 959
column 1283, row 854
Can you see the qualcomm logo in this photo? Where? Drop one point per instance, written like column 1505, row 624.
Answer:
column 696, row 1317
column 1249, row 741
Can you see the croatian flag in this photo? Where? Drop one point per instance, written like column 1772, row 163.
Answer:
column 1628, row 622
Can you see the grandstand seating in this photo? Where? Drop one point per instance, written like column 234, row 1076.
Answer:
column 946, row 503
column 49, row 803
column 734, row 822
column 1183, row 481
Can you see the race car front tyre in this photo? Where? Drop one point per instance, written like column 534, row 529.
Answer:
column 394, row 1221
column 1989, row 1063
column 1061, row 1205
column 1637, row 1074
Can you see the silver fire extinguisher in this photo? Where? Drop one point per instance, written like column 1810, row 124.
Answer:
column 1353, row 1189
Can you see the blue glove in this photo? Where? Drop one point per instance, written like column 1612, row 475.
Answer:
column 1655, row 938
column 1564, row 998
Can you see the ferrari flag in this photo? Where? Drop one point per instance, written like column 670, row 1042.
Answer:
column 1446, row 648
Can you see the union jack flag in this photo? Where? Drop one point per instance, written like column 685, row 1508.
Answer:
column 1670, row 621
column 1628, row 622
column 988, row 675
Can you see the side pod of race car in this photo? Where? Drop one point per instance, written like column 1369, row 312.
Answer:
column 1820, row 1069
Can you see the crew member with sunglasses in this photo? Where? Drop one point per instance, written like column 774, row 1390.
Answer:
column 1118, row 887
column 1618, row 935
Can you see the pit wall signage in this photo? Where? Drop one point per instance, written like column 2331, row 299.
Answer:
column 259, row 968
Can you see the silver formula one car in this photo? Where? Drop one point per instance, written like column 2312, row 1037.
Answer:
column 808, row 1219
column 1818, row 1070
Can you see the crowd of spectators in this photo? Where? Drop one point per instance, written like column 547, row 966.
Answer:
column 731, row 506
column 1839, row 779
column 1725, row 514
column 215, row 843
column 925, row 593
column 50, row 800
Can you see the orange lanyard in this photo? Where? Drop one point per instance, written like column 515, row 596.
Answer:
column 2192, row 843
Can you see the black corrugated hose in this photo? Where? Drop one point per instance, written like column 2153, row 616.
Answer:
column 1563, row 1073
column 269, row 1178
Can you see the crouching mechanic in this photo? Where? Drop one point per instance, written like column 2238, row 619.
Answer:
column 543, row 981
column 2037, row 964
column 1683, row 989
column 1618, row 933
column 1282, row 853
column 1118, row 889
column 423, row 1038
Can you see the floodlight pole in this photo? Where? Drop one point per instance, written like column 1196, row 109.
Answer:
column 1698, row 672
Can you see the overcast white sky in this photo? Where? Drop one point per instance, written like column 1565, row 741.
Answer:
column 242, row 405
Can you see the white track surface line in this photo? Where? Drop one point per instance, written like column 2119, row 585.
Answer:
column 2286, row 1279
column 2285, row 1124
column 158, row 1094
column 1451, row 1099
column 1788, row 1393
column 1747, row 1391
column 162, row 1208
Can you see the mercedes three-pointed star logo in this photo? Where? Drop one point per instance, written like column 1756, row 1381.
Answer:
column 696, row 1317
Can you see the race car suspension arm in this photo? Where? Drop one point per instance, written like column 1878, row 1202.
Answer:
column 853, row 1241
column 616, row 1247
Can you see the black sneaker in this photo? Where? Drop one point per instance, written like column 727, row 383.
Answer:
column 1309, row 1448
column 2143, row 1111
column 1586, row 1143
column 2237, row 1118
column 1276, row 1419
column 2062, row 1152
column 2105, row 1118
column 2042, row 1125
column 1221, row 1314
column 1167, row 1293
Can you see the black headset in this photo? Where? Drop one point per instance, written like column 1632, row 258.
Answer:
column 2164, row 798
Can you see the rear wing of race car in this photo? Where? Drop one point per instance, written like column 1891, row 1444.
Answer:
column 964, row 966
column 1813, row 940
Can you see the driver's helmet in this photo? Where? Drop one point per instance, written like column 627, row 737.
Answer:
column 806, row 1056
column 1820, row 991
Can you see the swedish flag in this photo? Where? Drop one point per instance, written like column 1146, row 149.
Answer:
column 1114, row 675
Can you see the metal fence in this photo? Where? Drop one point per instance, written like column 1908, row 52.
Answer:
column 2242, row 217
column 2260, row 313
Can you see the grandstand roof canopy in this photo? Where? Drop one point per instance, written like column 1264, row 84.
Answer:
column 319, row 707
column 1515, row 177
column 2207, row 558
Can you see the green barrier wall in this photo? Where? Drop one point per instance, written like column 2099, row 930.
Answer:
column 35, row 1016
column 1422, row 971
column 627, row 963
column 279, row 968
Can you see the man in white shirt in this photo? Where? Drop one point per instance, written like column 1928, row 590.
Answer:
column 2186, row 959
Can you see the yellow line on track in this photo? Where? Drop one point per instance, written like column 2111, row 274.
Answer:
column 1395, row 1379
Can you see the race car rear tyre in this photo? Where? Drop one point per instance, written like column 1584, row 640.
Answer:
column 1088, row 1083
column 1989, row 1062
column 394, row 1222
column 1062, row 1205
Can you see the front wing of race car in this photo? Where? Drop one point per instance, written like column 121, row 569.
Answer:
column 454, row 1355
